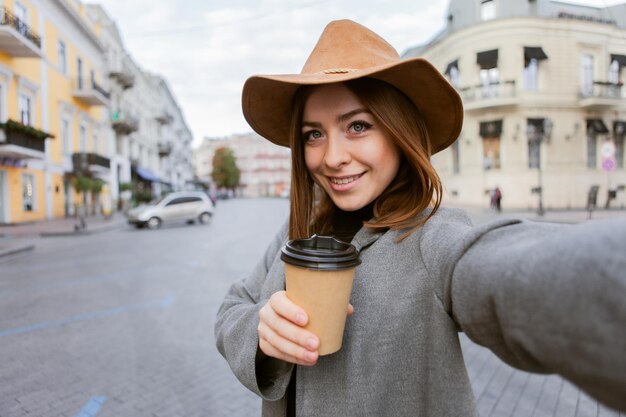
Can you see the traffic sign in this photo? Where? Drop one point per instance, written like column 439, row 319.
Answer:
column 608, row 149
column 609, row 164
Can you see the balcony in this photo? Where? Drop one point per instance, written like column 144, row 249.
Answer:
column 124, row 123
column 498, row 94
column 18, row 141
column 90, row 93
column 90, row 163
column 165, row 149
column 119, row 72
column 17, row 38
column 164, row 118
column 602, row 94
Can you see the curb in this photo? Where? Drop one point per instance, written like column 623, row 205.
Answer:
column 16, row 249
column 84, row 232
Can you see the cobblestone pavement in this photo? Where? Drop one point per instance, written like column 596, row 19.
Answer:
column 120, row 324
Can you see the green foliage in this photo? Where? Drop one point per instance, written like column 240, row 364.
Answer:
column 26, row 130
column 126, row 186
column 225, row 173
column 142, row 196
column 82, row 184
column 96, row 186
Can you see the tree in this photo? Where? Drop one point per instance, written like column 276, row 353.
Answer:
column 225, row 171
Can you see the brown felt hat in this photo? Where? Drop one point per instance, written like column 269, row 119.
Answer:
column 347, row 51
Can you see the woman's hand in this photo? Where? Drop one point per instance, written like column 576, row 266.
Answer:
column 282, row 334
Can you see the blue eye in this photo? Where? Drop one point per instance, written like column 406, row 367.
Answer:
column 311, row 135
column 359, row 126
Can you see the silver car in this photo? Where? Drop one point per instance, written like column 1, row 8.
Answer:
column 186, row 206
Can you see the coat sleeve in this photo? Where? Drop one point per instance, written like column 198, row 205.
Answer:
column 546, row 298
column 236, row 330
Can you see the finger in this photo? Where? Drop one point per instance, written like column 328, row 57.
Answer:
column 284, row 348
column 282, row 305
column 350, row 309
column 270, row 350
column 287, row 329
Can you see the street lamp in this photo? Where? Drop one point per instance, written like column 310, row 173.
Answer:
column 537, row 133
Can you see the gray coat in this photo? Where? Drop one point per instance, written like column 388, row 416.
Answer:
column 543, row 297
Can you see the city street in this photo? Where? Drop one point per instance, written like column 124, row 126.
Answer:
column 120, row 324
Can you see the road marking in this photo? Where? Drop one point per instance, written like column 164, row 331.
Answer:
column 92, row 407
column 162, row 303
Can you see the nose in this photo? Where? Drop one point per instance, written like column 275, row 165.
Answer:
column 337, row 151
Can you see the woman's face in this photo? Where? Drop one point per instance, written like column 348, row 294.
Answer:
column 346, row 150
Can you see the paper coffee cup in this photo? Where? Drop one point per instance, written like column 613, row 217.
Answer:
column 318, row 277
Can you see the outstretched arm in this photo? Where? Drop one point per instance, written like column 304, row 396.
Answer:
column 549, row 298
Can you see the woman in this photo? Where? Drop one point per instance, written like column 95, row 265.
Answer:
column 362, row 125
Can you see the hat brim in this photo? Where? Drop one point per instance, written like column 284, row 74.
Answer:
column 267, row 99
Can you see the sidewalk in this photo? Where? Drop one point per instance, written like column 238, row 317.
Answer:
column 16, row 238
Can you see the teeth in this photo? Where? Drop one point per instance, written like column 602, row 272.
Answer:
column 343, row 180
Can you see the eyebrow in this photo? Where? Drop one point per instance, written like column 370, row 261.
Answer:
column 340, row 118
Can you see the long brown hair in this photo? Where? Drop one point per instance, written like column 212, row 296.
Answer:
column 415, row 187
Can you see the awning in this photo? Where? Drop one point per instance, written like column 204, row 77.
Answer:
column 453, row 64
column 490, row 129
column 621, row 59
column 537, row 124
column 146, row 174
column 597, row 126
column 487, row 59
column 533, row 52
column 619, row 128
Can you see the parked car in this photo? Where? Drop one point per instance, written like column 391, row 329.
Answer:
column 189, row 206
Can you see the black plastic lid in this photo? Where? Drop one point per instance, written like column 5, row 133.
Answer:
column 320, row 252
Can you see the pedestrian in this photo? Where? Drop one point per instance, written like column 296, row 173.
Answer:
column 362, row 125
column 496, row 199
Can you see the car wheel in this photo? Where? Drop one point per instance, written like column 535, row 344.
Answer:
column 205, row 218
column 153, row 223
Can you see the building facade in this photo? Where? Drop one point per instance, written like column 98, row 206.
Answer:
column 545, row 107
column 53, row 100
column 265, row 167
column 76, row 109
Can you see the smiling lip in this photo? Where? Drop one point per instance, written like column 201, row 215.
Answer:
column 344, row 183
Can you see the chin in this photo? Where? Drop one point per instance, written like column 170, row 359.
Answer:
column 350, row 205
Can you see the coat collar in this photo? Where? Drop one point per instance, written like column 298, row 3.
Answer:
column 365, row 237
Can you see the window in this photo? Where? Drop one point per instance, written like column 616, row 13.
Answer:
column 456, row 168
column 491, row 132
column 95, row 141
column 586, row 75
column 489, row 82
column 28, row 192
column 619, row 135
column 22, row 15
column 83, row 138
column 452, row 73
column 487, row 9
column 534, row 133
column 25, row 109
column 530, row 75
column 62, row 57
column 65, row 137
column 79, row 73
column 592, row 149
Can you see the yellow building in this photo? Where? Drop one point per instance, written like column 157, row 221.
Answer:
column 54, row 120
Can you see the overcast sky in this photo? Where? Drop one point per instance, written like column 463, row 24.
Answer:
column 207, row 48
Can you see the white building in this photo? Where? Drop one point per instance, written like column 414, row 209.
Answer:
column 545, row 107
column 153, row 141
column 265, row 167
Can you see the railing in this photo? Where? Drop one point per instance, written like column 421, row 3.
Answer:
column 165, row 149
column 604, row 89
column 124, row 122
column 81, row 84
column 18, row 138
column 9, row 19
column 83, row 160
column 504, row 89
